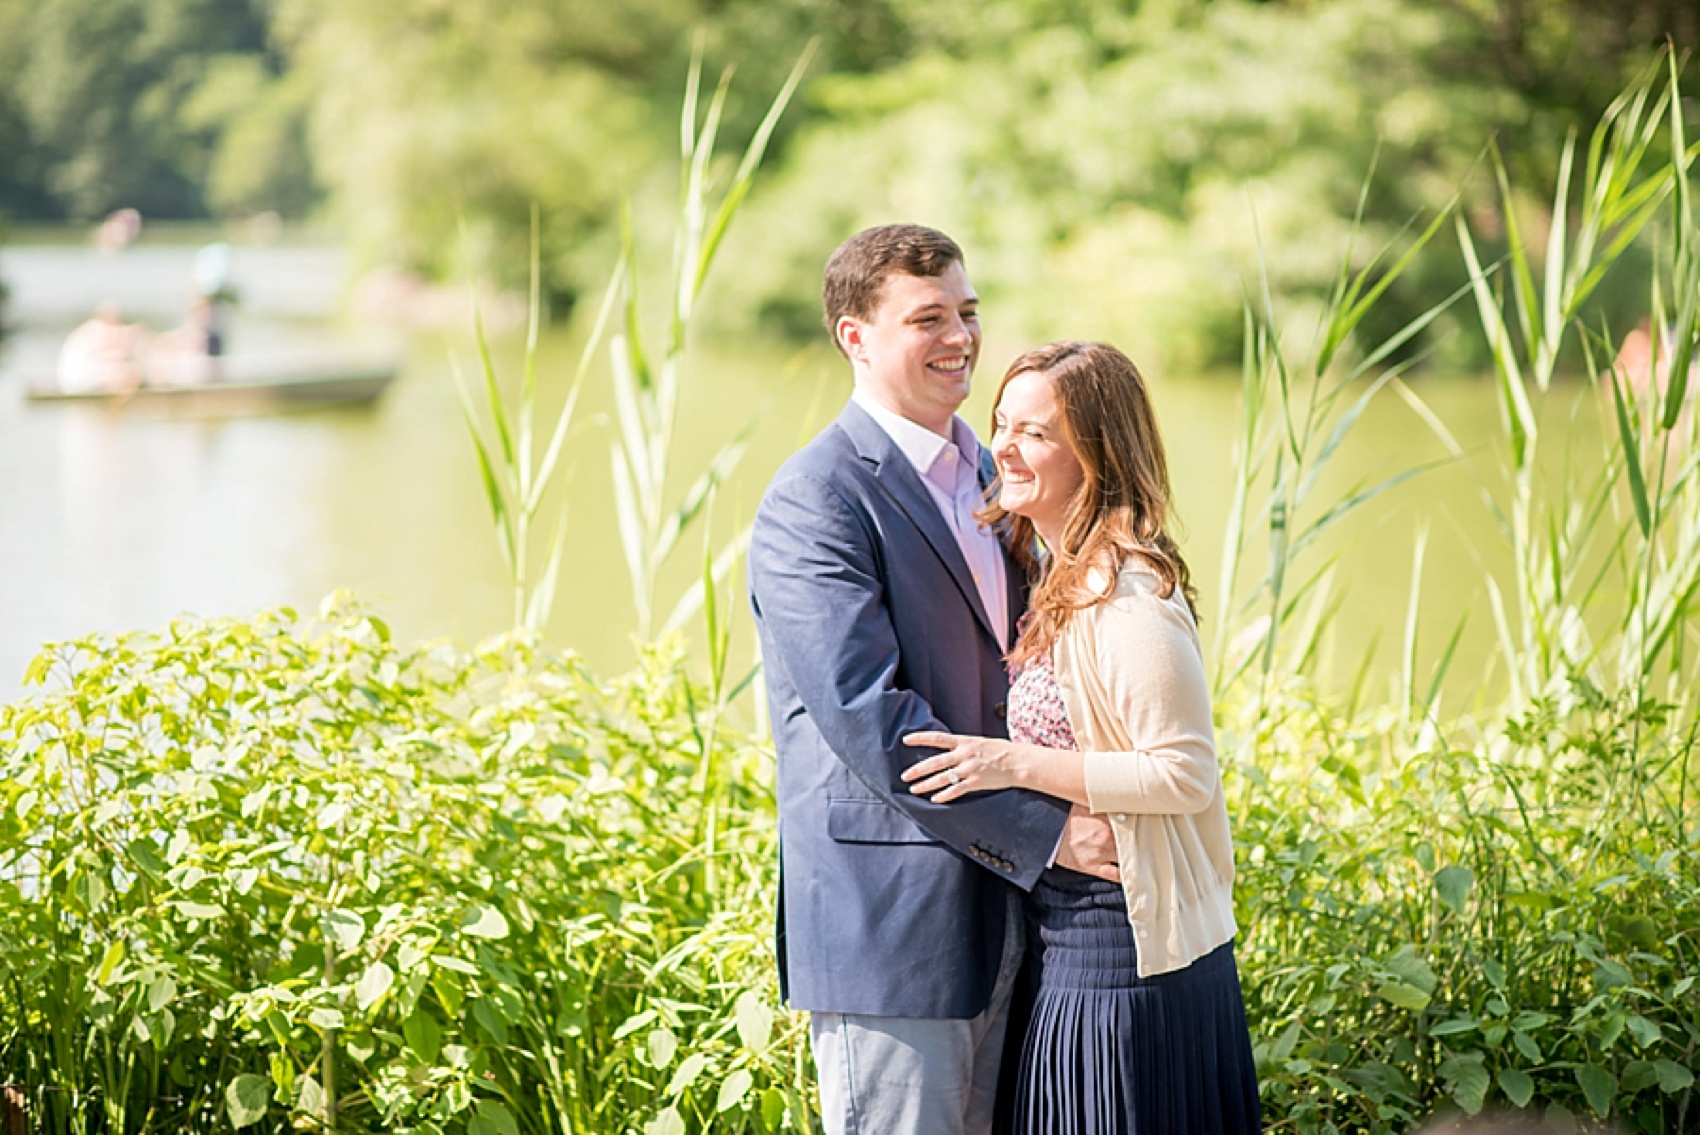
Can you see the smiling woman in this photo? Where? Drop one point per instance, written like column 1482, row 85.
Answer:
column 1039, row 473
column 1133, row 1017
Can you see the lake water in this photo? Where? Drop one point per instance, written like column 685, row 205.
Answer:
column 112, row 520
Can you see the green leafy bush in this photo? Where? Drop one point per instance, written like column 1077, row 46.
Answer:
column 1465, row 919
column 273, row 865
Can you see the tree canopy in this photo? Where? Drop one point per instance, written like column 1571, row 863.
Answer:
column 1109, row 164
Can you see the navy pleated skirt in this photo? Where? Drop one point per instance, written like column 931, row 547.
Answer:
column 1103, row 1051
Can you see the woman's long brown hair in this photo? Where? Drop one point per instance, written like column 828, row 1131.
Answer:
column 1122, row 506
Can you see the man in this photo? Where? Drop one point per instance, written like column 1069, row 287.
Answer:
column 884, row 609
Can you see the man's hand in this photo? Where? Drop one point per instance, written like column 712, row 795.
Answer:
column 1089, row 845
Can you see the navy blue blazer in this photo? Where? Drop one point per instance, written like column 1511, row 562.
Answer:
column 871, row 628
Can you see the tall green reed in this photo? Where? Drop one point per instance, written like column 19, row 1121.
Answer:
column 1297, row 409
column 1451, row 910
column 516, row 480
column 1570, row 555
column 652, row 519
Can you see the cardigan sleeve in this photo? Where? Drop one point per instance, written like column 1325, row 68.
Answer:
column 1150, row 671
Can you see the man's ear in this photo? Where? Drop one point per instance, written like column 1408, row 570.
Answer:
column 848, row 332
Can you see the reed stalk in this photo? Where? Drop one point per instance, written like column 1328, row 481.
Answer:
column 648, row 385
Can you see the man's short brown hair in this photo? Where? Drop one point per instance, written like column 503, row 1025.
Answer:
column 856, row 273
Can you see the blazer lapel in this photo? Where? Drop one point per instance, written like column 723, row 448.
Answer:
column 903, row 485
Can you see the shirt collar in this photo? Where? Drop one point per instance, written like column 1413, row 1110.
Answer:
column 918, row 444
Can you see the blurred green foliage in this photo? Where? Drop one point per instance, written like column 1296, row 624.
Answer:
column 1111, row 165
column 109, row 103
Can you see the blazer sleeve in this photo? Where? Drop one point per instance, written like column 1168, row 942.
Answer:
column 817, row 587
column 1151, row 670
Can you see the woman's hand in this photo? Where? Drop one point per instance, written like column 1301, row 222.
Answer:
column 968, row 764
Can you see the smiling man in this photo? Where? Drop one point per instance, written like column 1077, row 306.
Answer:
column 884, row 609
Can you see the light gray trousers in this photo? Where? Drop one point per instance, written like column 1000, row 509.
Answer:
column 907, row 1076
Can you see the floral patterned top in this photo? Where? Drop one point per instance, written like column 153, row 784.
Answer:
column 1037, row 715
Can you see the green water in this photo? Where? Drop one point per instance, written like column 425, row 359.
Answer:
column 114, row 521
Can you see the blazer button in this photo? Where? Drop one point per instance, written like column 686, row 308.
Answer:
column 1001, row 709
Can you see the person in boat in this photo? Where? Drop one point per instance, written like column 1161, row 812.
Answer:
column 179, row 357
column 118, row 231
column 1641, row 365
column 209, row 311
column 102, row 355
column 190, row 355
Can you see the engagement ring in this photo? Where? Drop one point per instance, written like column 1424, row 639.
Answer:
column 953, row 776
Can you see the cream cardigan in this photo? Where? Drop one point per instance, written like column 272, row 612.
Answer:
column 1131, row 671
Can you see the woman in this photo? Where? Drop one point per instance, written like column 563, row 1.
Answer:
column 1135, row 1024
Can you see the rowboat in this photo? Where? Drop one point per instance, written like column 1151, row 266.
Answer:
column 238, row 385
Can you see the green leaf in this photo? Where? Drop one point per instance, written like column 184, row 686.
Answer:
column 1518, row 1086
column 563, row 421
column 772, row 1108
column 373, row 984
column 326, row 1018
column 733, row 1090
column 747, row 167
column 1453, row 884
column 1631, row 443
column 490, row 1020
column 245, row 1099
column 1407, row 965
column 424, row 1038
column 1599, row 1085
column 493, row 494
column 344, row 927
column 1527, row 1046
column 310, row 1099
column 484, row 922
column 1466, row 1080
column 199, row 910
column 1453, row 1027
column 662, row 1046
column 409, row 957
column 1673, row 1077
column 146, row 856
column 1403, row 995
column 1637, row 1076
column 495, row 1118
column 543, row 592
column 755, row 1021
column 633, row 1023
column 38, row 669
column 685, row 1075
column 161, row 993
column 458, row 965
column 668, row 1122
column 1646, row 1033
column 1286, row 1042
column 109, row 962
